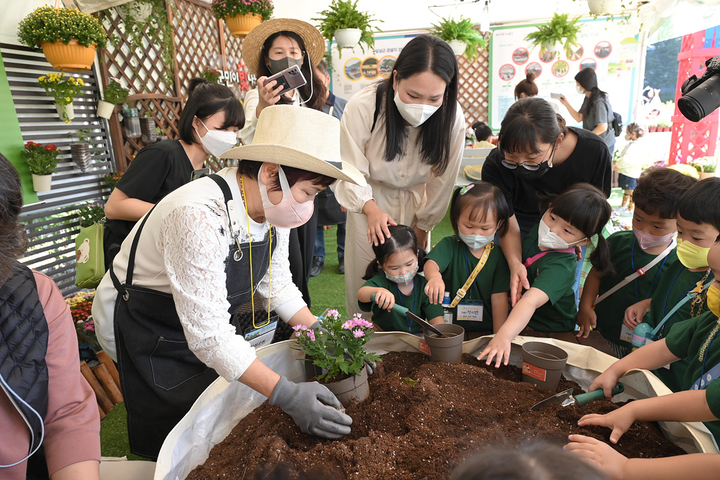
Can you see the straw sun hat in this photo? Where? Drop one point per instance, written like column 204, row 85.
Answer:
column 298, row 137
column 253, row 43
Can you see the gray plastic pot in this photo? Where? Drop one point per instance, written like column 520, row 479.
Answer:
column 447, row 349
column 543, row 364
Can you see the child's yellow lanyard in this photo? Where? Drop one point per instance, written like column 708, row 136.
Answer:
column 468, row 283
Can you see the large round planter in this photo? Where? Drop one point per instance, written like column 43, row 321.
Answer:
column 41, row 183
column 240, row 25
column 80, row 153
column 602, row 7
column 65, row 112
column 70, row 57
column 352, row 389
column 348, row 37
column 105, row 109
column 449, row 347
column 458, row 46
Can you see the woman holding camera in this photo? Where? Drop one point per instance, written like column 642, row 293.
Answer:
column 406, row 135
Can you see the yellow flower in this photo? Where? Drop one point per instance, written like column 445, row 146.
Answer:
column 80, row 81
column 69, row 99
column 41, row 79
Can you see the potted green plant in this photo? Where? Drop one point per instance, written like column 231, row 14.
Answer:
column 63, row 90
column 114, row 94
column 211, row 75
column 337, row 349
column 67, row 36
column 705, row 166
column 241, row 16
column 461, row 35
column 551, row 37
column 348, row 25
column 80, row 150
column 41, row 160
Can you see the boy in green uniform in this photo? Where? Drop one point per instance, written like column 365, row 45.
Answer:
column 646, row 251
column 477, row 212
column 694, row 340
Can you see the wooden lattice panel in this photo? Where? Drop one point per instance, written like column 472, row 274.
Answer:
column 233, row 57
column 474, row 86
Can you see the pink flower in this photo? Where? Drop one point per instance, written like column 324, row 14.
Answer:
column 358, row 333
column 311, row 334
column 333, row 313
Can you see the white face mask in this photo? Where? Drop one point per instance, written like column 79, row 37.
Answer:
column 580, row 89
column 414, row 113
column 216, row 142
column 551, row 241
column 289, row 213
column 476, row 242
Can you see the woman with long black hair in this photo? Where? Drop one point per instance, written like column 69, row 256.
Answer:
column 406, row 135
column 596, row 114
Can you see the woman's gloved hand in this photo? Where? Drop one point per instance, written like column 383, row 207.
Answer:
column 313, row 408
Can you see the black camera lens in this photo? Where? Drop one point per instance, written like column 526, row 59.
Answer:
column 701, row 100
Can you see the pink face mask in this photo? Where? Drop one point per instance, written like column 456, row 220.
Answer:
column 289, row 213
column 647, row 240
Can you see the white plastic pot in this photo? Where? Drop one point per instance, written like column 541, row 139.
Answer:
column 65, row 112
column 105, row 109
column 602, row 7
column 458, row 46
column 556, row 47
column 348, row 37
column 41, row 183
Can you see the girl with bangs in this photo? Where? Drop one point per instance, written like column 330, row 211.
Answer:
column 477, row 212
column 550, row 251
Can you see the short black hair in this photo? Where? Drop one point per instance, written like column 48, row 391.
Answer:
column 204, row 100
column 482, row 197
column 659, row 190
column 482, row 131
column 701, row 203
column 528, row 121
column 401, row 238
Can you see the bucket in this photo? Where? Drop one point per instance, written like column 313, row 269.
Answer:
column 446, row 349
column 543, row 364
column 352, row 389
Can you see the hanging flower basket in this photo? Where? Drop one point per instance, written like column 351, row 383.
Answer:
column 603, row 7
column 348, row 37
column 105, row 109
column 71, row 57
column 240, row 25
column 458, row 46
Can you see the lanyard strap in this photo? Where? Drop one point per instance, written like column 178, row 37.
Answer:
column 407, row 319
column 706, row 378
column 529, row 261
column 468, row 283
column 695, row 291
column 639, row 272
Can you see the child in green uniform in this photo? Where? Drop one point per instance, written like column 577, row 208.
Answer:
column 649, row 247
column 694, row 339
column 571, row 220
column 696, row 232
column 477, row 212
column 393, row 278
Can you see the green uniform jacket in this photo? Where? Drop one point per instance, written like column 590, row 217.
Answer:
column 685, row 340
column 417, row 302
column 627, row 257
column 673, row 286
column 554, row 274
column 456, row 263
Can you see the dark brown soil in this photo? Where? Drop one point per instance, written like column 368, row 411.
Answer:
column 422, row 419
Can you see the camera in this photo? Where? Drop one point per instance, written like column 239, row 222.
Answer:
column 701, row 96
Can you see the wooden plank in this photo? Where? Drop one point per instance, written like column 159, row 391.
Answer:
column 108, row 383
column 103, row 400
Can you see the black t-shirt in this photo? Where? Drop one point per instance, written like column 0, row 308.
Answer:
column 157, row 170
column 589, row 162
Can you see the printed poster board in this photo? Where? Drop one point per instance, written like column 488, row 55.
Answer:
column 611, row 49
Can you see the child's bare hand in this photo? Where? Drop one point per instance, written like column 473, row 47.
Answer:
column 635, row 313
column 607, row 381
column 435, row 290
column 618, row 420
column 384, row 299
column 586, row 320
column 600, row 454
column 498, row 348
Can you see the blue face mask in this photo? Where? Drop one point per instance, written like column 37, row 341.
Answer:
column 405, row 279
column 476, row 242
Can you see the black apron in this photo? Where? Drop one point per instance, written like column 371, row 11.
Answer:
column 159, row 375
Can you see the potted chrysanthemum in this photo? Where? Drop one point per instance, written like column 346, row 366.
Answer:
column 337, row 350
column 241, row 16
column 63, row 90
column 67, row 36
column 41, row 160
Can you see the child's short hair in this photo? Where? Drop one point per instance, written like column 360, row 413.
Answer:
column 586, row 208
column 636, row 129
column 701, row 203
column 482, row 131
column 482, row 197
column 534, row 461
column 659, row 190
column 401, row 238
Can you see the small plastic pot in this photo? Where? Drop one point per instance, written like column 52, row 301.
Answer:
column 543, row 364
column 352, row 389
column 449, row 348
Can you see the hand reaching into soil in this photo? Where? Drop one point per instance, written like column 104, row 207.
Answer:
column 498, row 348
column 313, row 407
column 619, row 420
column 607, row 381
column 599, row 454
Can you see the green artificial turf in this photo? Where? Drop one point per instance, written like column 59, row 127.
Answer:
column 114, row 435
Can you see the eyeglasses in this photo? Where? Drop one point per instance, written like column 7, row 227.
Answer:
column 532, row 166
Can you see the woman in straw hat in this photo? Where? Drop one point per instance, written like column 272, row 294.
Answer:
column 163, row 311
column 406, row 135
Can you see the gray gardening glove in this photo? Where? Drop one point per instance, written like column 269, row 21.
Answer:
column 316, row 325
column 313, row 408
column 371, row 366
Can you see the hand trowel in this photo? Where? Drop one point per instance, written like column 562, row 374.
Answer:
column 566, row 398
column 404, row 311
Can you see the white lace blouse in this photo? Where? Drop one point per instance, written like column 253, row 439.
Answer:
column 182, row 251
